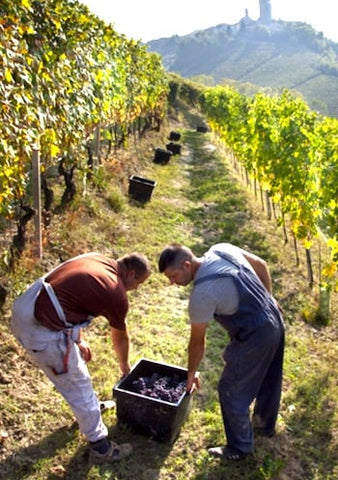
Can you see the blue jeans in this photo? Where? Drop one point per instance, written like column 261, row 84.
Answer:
column 253, row 371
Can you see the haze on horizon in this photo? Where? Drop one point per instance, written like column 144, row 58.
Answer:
column 150, row 19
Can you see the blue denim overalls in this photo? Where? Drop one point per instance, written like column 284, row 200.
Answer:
column 254, row 359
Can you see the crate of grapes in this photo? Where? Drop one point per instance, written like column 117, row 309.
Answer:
column 152, row 399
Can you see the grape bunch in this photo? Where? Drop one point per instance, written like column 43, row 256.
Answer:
column 169, row 389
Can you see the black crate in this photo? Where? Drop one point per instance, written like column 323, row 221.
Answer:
column 174, row 147
column 202, row 128
column 162, row 156
column 141, row 188
column 158, row 419
column 174, row 136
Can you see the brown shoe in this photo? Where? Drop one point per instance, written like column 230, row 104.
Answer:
column 114, row 454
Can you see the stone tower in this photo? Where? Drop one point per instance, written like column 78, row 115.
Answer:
column 265, row 11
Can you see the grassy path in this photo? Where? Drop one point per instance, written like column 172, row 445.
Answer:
column 195, row 202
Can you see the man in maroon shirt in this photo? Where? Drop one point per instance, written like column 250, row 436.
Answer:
column 47, row 321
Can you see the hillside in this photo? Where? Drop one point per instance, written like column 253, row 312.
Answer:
column 276, row 55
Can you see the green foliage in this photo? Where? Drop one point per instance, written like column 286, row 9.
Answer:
column 63, row 72
column 291, row 151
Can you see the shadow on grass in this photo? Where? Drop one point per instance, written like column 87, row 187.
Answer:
column 26, row 461
column 145, row 462
column 310, row 423
column 193, row 118
column 222, row 470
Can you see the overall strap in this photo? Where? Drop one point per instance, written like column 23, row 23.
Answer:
column 228, row 257
column 214, row 276
column 55, row 301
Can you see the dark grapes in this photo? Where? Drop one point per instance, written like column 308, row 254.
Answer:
column 168, row 389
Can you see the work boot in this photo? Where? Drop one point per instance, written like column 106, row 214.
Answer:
column 227, row 453
column 113, row 454
column 106, row 405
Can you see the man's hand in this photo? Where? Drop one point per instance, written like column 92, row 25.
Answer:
column 194, row 384
column 84, row 348
column 196, row 349
column 125, row 368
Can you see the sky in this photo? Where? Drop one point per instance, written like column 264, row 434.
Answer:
column 152, row 19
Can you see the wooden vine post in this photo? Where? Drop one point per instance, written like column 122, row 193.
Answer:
column 36, row 179
column 97, row 142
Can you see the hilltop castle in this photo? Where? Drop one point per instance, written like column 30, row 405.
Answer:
column 265, row 11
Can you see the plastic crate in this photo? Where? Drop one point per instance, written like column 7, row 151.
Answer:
column 174, row 147
column 156, row 418
column 174, row 136
column 162, row 156
column 141, row 188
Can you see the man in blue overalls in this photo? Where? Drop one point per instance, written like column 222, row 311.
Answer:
column 234, row 287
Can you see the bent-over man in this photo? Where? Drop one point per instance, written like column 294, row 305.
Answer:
column 234, row 287
column 47, row 320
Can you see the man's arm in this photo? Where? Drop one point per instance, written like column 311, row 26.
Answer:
column 196, row 350
column 120, row 340
column 261, row 268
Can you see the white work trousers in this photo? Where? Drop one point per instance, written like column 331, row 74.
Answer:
column 47, row 350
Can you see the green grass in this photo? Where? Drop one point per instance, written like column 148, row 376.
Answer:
column 197, row 201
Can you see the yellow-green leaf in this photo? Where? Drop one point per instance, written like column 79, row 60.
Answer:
column 54, row 150
column 8, row 76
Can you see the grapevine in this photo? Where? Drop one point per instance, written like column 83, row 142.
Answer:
column 63, row 73
column 292, row 152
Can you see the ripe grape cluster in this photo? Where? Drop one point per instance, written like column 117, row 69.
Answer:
column 169, row 389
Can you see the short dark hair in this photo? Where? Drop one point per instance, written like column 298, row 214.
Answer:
column 137, row 262
column 172, row 255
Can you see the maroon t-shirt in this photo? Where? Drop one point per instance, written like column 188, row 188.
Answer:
column 87, row 286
